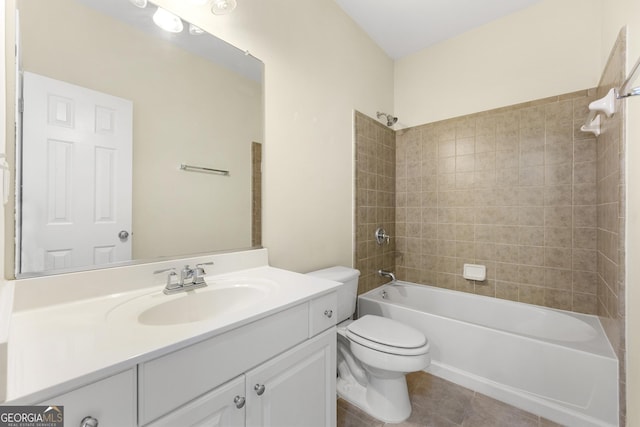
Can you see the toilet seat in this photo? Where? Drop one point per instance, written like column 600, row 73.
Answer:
column 387, row 336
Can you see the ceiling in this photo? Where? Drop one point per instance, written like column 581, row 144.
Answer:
column 403, row 27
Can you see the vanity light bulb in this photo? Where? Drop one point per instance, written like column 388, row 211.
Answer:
column 222, row 7
column 167, row 21
column 139, row 3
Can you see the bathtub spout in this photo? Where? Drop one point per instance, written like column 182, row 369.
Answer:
column 389, row 274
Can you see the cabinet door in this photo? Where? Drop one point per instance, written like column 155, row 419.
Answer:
column 111, row 401
column 224, row 406
column 297, row 388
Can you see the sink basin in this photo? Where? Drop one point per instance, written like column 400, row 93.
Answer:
column 218, row 298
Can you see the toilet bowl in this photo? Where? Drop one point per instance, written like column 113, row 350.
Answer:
column 374, row 354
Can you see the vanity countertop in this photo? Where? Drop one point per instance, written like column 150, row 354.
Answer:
column 57, row 348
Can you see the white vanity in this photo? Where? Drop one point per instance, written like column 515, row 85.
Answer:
column 261, row 357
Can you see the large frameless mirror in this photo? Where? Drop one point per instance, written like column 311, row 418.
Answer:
column 133, row 143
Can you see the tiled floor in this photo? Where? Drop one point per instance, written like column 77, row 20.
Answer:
column 439, row 403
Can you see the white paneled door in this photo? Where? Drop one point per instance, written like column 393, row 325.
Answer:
column 76, row 176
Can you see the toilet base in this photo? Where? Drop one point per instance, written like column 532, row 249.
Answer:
column 386, row 399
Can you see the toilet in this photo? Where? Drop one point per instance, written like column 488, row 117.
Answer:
column 374, row 354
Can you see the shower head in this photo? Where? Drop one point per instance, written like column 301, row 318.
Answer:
column 390, row 119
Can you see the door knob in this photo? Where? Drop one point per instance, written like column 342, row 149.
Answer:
column 259, row 388
column 123, row 235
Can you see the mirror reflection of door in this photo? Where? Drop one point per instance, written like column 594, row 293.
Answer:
column 76, row 186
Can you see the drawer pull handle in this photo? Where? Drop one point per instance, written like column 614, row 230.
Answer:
column 328, row 313
column 259, row 388
column 89, row 421
column 239, row 401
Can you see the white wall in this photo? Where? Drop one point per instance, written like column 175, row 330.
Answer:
column 617, row 14
column 547, row 49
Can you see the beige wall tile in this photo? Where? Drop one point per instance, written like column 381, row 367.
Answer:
column 531, row 294
column 557, row 278
column 514, row 189
column 559, row 237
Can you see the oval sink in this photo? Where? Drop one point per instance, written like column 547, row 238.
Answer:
column 217, row 299
column 197, row 306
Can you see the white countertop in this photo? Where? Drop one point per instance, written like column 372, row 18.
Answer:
column 57, row 348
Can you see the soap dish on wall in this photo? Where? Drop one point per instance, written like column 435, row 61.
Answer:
column 475, row 272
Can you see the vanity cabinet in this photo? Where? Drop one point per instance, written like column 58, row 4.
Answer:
column 279, row 371
column 296, row 388
column 111, row 401
column 170, row 381
column 287, row 362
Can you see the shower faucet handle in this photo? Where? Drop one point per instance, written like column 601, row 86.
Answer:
column 382, row 236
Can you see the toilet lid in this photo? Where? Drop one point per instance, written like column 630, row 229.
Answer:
column 385, row 334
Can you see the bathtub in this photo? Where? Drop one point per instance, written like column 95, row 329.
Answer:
column 553, row 363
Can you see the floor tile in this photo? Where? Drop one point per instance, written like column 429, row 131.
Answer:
column 440, row 403
column 351, row 416
column 433, row 395
column 488, row 412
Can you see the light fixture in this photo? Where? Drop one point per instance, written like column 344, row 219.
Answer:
column 222, row 7
column 167, row 21
column 195, row 31
column 139, row 3
column 199, row 2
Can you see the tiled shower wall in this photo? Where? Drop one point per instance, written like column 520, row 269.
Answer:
column 375, row 199
column 610, row 214
column 513, row 189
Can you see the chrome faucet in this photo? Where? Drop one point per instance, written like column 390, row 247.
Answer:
column 389, row 274
column 189, row 278
column 185, row 274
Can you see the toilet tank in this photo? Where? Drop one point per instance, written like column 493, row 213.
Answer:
column 347, row 293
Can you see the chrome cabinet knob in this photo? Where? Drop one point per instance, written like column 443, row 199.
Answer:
column 89, row 421
column 328, row 313
column 259, row 388
column 123, row 235
column 239, row 401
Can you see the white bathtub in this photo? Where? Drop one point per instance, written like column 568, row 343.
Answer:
column 553, row 363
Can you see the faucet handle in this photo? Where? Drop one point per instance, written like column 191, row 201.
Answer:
column 200, row 268
column 170, row 276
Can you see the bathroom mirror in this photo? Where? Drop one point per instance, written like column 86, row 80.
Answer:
column 134, row 143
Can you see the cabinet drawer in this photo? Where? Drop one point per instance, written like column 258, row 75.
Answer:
column 170, row 381
column 322, row 313
column 111, row 401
